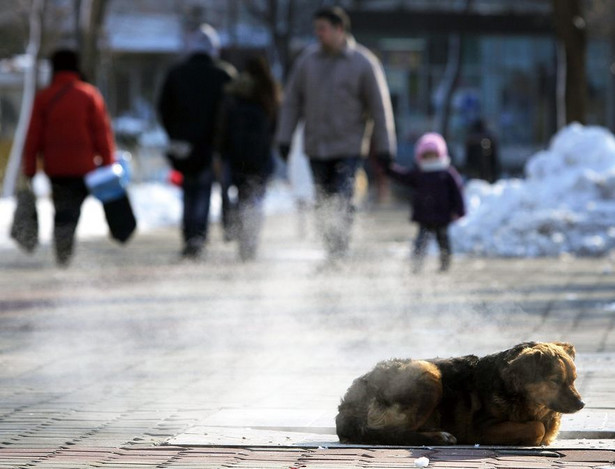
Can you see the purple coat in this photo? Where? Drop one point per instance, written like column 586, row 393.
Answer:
column 438, row 196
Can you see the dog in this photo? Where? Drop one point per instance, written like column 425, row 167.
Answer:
column 514, row 397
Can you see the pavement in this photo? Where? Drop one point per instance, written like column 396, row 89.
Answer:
column 132, row 358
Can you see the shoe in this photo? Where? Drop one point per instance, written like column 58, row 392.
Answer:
column 247, row 254
column 63, row 258
column 192, row 249
column 445, row 263
column 63, row 262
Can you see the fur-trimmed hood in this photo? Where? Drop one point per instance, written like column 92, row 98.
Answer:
column 243, row 86
column 432, row 142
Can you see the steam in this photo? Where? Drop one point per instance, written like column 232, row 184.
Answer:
column 134, row 328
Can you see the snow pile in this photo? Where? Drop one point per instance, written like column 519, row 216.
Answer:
column 566, row 204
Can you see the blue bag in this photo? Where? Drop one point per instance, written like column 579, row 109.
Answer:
column 108, row 184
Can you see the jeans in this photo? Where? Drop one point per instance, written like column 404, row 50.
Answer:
column 420, row 245
column 197, row 196
column 68, row 194
column 334, row 181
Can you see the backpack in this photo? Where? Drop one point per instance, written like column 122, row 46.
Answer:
column 249, row 136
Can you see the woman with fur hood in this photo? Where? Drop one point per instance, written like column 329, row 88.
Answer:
column 437, row 199
column 247, row 125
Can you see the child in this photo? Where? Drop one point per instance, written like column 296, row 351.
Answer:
column 437, row 200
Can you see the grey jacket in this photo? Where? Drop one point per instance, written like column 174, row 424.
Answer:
column 344, row 101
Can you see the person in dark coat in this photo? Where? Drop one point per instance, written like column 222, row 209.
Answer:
column 189, row 106
column 482, row 159
column 437, row 199
column 245, row 141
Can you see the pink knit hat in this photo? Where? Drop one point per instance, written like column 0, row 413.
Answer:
column 431, row 142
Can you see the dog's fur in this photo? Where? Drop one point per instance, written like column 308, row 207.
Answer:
column 514, row 397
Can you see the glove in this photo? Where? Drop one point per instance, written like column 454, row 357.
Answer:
column 284, row 149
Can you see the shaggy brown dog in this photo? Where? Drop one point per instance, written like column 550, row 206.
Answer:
column 514, row 397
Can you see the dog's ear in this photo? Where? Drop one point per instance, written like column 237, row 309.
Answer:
column 523, row 368
column 568, row 348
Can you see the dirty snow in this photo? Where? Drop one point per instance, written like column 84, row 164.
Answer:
column 565, row 203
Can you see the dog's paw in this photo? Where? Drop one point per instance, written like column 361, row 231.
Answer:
column 442, row 438
column 447, row 438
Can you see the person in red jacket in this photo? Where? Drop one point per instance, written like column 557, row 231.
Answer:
column 70, row 133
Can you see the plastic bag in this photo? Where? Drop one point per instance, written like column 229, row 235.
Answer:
column 24, row 229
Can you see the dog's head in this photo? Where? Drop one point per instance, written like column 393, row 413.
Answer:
column 545, row 374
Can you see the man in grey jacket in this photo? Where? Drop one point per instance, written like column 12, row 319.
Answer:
column 338, row 89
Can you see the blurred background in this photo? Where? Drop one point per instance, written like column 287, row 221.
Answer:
column 527, row 67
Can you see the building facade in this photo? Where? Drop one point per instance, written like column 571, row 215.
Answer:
column 507, row 70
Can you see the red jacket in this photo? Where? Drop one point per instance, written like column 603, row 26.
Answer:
column 69, row 128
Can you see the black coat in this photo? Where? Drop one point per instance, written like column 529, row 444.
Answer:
column 245, row 137
column 189, row 105
column 482, row 160
column 438, row 196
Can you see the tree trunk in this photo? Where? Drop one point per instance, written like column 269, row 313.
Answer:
column 451, row 75
column 572, row 39
column 90, row 33
column 281, row 25
column 283, row 42
column 29, row 91
column 449, row 82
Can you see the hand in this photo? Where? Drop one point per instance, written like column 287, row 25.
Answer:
column 284, row 149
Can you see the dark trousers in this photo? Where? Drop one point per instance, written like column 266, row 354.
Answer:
column 250, row 214
column 197, row 196
column 68, row 194
column 422, row 239
column 334, row 182
column 228, row 208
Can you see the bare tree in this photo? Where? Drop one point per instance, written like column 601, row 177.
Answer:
column 282, row 36
column 600, row 17
column 277, row 16
column 285, row 19
column 89, row 37
column 452, row 73
column 91, row 13
column 29, row 90
column 13, row 26
column 449, row 82
column 571, row 31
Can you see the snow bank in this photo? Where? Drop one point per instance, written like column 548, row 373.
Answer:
column 566, row 203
